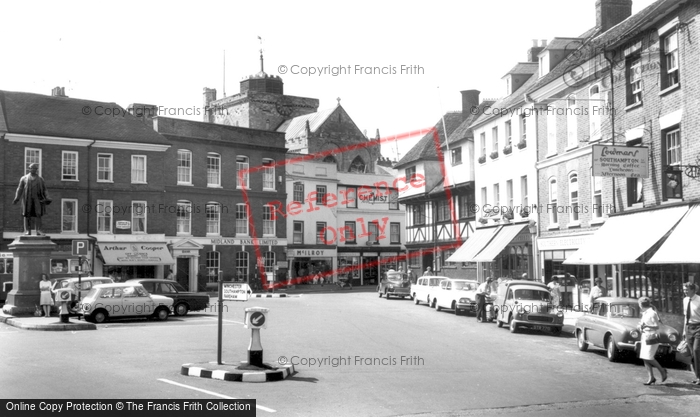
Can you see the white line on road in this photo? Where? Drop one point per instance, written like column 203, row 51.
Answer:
column 167, row 381
column 229, row 321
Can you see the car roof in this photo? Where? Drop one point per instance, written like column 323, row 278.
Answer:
column 526, row 282
column 612, row 300
column 119, row 284
column 149, row 280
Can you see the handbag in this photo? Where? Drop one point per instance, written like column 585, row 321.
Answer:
column 37, row 312
column 684, row 349
column 652, row 338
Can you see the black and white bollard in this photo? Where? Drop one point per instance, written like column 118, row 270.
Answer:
column 256, row 319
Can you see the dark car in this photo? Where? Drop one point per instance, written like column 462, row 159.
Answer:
column 613, row 326
column 183, row 300
column 396, row 284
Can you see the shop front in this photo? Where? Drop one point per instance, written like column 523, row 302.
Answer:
column 6, row 270
column 507, row 255
column 574, row 280
column 124, row 257
column 305, row 264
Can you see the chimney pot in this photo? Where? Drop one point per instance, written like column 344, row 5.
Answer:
column 534, row 43
column 470, row 101
column 544, row 43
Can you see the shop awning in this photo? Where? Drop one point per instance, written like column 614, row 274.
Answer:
column 135, row 253
column 679, row 247
column 623, row 239
column 503, row 238
column 474, row 244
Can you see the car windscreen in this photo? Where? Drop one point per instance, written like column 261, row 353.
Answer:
column 397, row 277
column 465, row 286
column 624, row 311
column 532, row 295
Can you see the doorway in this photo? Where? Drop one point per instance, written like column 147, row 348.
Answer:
column 183, row 272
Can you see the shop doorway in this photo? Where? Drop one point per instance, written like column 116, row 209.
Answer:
column 427, row 262
column 183, row 272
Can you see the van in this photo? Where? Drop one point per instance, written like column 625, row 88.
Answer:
column 527, row 304
column 424, row 286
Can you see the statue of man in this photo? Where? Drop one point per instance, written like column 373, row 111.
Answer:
column 32, row 192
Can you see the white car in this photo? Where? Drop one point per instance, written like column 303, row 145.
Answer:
column 454, row 291
column 120, row 300
column 424, row 286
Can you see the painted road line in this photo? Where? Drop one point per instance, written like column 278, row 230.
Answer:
column 216, row 394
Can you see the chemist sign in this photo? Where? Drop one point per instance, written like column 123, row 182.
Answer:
column 620, row 161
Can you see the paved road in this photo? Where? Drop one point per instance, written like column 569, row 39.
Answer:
column 357, row 354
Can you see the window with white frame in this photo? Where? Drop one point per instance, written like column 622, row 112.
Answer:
column 32, row 156
column 496, row 195
column 483, row 197
column 69, row 166
column 212, row 212
column 670, row 74
column 523, row 129
column 69, row 215
column 494, row 139
column 373, row 229
column 270, row 261
column 241, row 219
column 184, row 217
column 551, row 130
column 571, row 123
column 482, row 143
column 443, row 210
column 321, row 233
column 299, row 192
column 349, row 232
column 597, row 197
column 418, row 213
column 298, row 232
column 213, row 169
column 268, row 174
column 596, row 107
column 138, row 217
column 242, row 174
column 138, row 169
column 351, row 197
column 456, row 156
column 509, row 193
column 523, row 191
column 184, row 167
column 410, row 173
column 552, row 207
column 321, row 195
column 634, row 80
column 395, row 232
column 242, row 266
column 672, row 155
column 104, row 167
column 213, row 266
column 573, row 199
column 268, row 222
column 104, row 216
column 509, row 133
column 393, row 200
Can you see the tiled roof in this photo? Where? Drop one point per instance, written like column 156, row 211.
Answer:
column 294, row 128
column 563, row 43
column 425, row 148
column 507, row 102
column 37, row 114
column 464, row 131
column 524, row 68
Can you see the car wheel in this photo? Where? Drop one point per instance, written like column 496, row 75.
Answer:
column 415, row 300
column 435, row 304
column 454, row 307
column 100, row 316
column 512, row 326
column 386, row 295
column 582, row 344
column 380, row 292
column 611, row 348
column 556, row 331
column 181, row 309
column 499, row 323
column 161, row 314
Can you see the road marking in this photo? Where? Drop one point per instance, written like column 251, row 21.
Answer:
column 229, row 321
column 167, row 381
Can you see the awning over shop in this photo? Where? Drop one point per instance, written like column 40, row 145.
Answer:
column 474, row 244
column 135, row 253
column 623, row 239
column 679, row 247
column 503, row 238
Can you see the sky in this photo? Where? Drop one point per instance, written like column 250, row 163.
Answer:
column 165, row 53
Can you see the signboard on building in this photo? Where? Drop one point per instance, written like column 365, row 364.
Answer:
column 123, row 224
column 620, row 161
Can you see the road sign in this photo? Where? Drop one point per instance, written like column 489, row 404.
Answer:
column 80, row 247
column 256, row 317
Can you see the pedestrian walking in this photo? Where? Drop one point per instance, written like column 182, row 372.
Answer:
column 650, row 326
column 483, row 291
column 691, row 326
column 555, row 291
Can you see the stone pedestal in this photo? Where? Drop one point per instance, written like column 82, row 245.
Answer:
column 31, row 258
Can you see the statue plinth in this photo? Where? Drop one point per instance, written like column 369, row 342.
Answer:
column 31, row 256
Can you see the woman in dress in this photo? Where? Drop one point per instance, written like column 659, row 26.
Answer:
column 46, row 301
column 650, row 324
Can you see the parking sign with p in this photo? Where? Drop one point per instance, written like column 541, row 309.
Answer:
column 80, row 247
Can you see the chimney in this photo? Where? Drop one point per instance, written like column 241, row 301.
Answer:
column 209, row 97
column 609, row 13
column 58, row 92
column 144, row 112
column 470, row 101
column 534, row 51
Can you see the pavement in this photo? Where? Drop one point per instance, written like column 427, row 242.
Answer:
column 52, row 323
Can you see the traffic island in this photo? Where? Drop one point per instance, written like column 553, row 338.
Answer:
column 43, row 323
column 243, row 372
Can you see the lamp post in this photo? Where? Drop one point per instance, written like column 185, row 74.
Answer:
column 532, row 227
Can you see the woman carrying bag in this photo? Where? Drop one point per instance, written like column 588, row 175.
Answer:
column 650, row 340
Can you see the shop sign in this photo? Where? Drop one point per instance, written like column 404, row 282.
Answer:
column 123, row 224
column 5, row 255
column 240, row 242
column 308, row 252
column 620, row 161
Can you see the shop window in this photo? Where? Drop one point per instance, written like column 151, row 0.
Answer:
column 69, row 166
column 269, row 259
column 213, row 266
column 242, row 266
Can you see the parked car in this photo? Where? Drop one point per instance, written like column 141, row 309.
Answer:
column 521, row 303
column 456, row 294
column 612, row 326
column 424, row 286
column 183, row 300
column 395, row 284
column 82, row 287
column 107, row 301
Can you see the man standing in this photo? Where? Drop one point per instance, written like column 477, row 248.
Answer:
column 428, row 272
column 32, row 192
column 483, row 291
column 597, row 291
column 691, row 325
column 554, row 290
